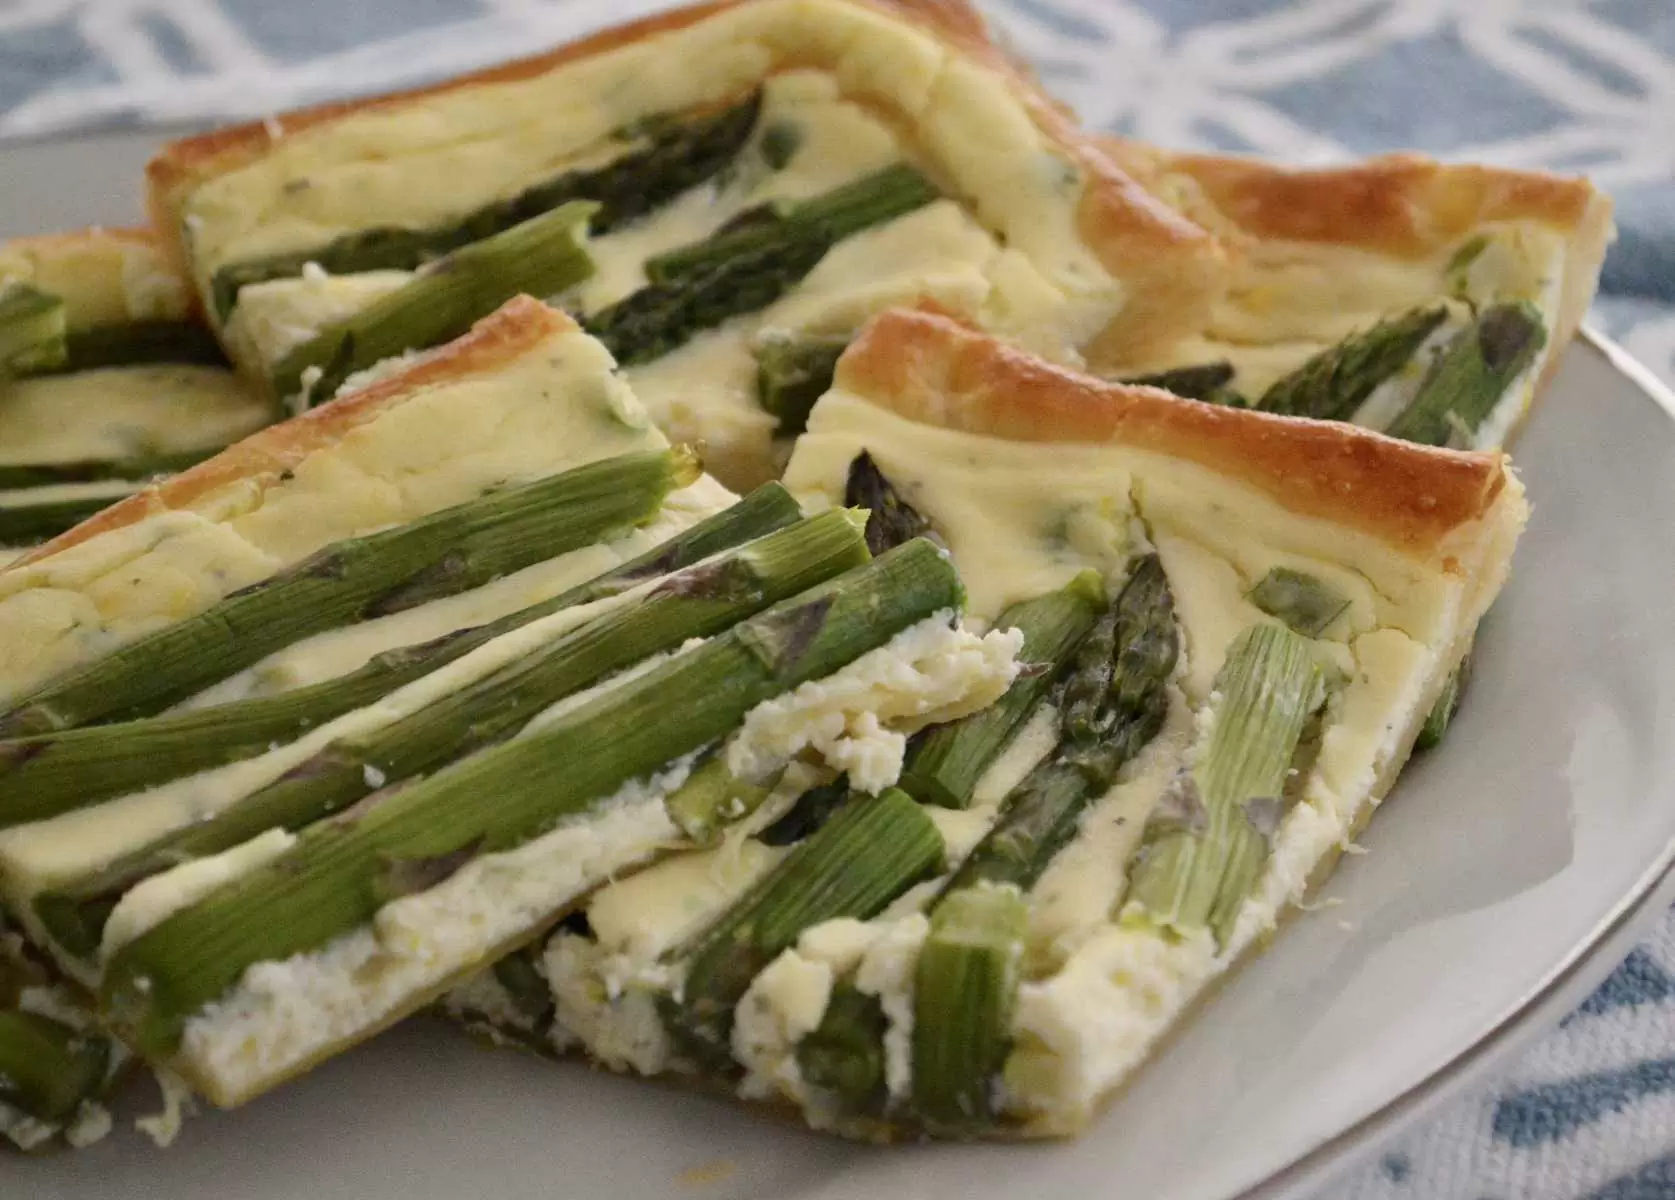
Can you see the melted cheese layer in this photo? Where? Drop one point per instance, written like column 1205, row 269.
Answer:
column 125, row 412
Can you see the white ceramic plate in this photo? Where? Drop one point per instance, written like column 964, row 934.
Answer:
column 1504, row 876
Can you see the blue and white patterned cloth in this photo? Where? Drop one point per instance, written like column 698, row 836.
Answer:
column 1589, row 1113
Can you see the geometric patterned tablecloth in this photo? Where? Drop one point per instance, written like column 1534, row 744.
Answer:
column 1589, row 1112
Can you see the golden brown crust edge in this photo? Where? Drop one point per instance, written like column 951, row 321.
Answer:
column 1405, row 206
column 1171, row 268
column 930, row 369
column 501, row 337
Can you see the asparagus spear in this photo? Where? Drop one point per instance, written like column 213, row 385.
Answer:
column 332, row 881
column 811, row 811
column 48, row 1069
column 711, row 798
column 967, row 985
column 893, row 520
column 677, row 154
column 792, row 372
column 945, row 763
column 23, row 522
column 354, row 580
column 844, row 1056
column 1442, row 712
column 1204, row 849
column 698, row 287
column 881, row 196
column 700, row 601
column 32, row 329
column 1303, row 602
column 1113, row 702
column 45, row 775
column 1467, row 380
column 1334, row 383
column 91, row 470
column 542, row 256
column 1209, row 382
column 132, row 343
column 873, row 849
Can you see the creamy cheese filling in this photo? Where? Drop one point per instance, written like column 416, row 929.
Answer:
column 1021, row 519
column 124, row 413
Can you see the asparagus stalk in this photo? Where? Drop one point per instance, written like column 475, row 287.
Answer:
column 792, row 372
column 1305, row 603
column 811, row 811
column 1442, row 712
column 1337, row 381
column 32, row 329
column 966, row 986
column 357, row 579
column 1205, row 848
column 1209, row 382
column 24, row 522
column 945, row 763
column 133, row 343
column 873, row 849
column 91, row 470
column 520, row 975
column 893, row 520
column 711, row 799
column 677, row 154
column 542, row 256
column 698, row 602
column 43, row 776
column 48, row 1069
column 881, row 196
column 844, row 1056
column 698, row 287
column 332, row 881
column 1467, row 380
column 1113, row 702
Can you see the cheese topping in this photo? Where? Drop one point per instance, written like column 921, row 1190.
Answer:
column 1021, row 519
column 125, row 412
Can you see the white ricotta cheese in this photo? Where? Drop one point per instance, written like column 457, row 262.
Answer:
column 855, row 717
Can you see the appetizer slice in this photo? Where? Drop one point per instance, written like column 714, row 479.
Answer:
column 107, row 378
column 314, row 730
column 1233, row 624
column 1426, row 300
column 722, row 193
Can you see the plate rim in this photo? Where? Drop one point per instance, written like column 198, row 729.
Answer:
column 1567, row 984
